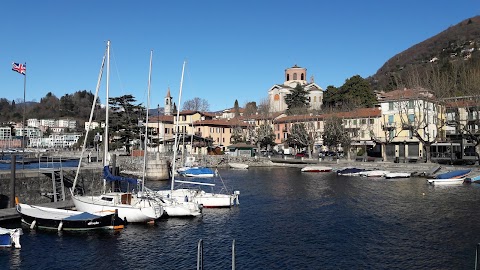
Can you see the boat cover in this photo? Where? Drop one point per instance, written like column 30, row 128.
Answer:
column 110, row 177
column 200, row 170
column 453, row 174
column 82, row 216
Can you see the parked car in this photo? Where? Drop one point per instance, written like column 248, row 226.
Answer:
column 301, row 154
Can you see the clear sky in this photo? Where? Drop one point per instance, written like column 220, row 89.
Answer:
column 235, row 50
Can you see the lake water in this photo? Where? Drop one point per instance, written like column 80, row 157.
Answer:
column 286, row 220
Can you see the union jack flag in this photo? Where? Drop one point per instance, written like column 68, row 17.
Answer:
column 20, row 68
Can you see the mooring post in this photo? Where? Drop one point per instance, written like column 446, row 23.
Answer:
column 13, row 163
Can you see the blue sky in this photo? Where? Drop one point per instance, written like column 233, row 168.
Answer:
column 235, row 50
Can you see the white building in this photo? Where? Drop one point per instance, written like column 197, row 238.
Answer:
column 5, row 133
column 67, row 123
column 33, row 122
column 47, row 122
column 293, row 76
column 93, row 125
column 30, row 132
column 55, row 141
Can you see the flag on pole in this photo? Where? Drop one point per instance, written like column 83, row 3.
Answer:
column 20, row 68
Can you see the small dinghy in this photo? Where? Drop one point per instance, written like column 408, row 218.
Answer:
column 235, row 165
column 397, row 175
column 350, row 171
column 374, row 173
column 316, row 169
column 450, row 178
column 10, row 237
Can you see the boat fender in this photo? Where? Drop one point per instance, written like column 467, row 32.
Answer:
column 60, row 226
column 16, row 237
column 34, row 223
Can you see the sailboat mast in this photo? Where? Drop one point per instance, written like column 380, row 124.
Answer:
column 176, row 130
column 146, row 122
column 105, row 143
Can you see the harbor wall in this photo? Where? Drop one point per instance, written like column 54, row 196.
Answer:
column 34, row 186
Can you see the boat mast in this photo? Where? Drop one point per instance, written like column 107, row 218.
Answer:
column 146, row 124
column 105, row 143
column 176, row 131
column 105, row 136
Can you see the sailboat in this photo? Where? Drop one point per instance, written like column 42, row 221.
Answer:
column 171, row 206
column 197, row 195
column 136, row 207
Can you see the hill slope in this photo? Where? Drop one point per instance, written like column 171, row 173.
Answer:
column 457, row 45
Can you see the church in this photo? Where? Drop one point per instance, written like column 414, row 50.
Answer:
column 293, row 76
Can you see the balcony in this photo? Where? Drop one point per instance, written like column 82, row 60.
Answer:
column 389, row 126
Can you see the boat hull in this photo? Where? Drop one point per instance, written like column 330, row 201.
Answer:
column 397, row 175
column 240, row 166
column 135, row 212
column 378, row 173
column 316, row 169
column 61, row 220
column 205, row 199
column 452, row 181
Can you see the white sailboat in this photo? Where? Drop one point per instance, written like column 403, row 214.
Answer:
column 132, row 207
column 205, row 199
column 171, row 206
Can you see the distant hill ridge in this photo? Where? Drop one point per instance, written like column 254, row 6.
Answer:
column 458, row 43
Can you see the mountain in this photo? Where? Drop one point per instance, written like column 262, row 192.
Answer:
column 455, row 46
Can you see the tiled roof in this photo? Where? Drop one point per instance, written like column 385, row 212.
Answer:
column 404, row 94
column 358, row 113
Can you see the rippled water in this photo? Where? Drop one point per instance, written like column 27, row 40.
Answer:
column 286, row 220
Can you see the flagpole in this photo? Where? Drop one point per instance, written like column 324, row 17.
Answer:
column 23, row 121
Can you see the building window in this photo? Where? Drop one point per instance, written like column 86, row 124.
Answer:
column 276, row 97
column 288, row 77
column 371, row 121
column 390, row 119
column 302, row 77
column 410, row 104
column 411, row 118
column 363, row 121
column 294, row 76
column 390, row 106
column 355, row 122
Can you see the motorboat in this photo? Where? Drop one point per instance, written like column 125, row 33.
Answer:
column 374, row 173
column 455, row 177
column 397, row 175
column 316, row 169
column 10, row 237
column 350, row 171
column 202, row 172
column 38, row 217
column 236, row 165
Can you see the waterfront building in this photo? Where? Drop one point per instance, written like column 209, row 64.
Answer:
column 410, row 118
column 221, row 131
column 293, row 76
column 162, row 127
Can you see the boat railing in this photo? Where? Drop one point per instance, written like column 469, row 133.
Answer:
column 200, row 255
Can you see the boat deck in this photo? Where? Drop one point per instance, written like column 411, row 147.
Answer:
column 9, row 214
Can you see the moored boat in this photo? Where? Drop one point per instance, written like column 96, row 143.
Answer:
column 237, row 165
column 37, row 217
column 10, row 237
column 397, row 175
column 374, row 173
column 316, row 169
column 198, row 172
column 450, row 178
column 350, row 171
